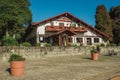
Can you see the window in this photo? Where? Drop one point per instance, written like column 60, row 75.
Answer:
column 96, row 40
column 52, row 23
column 70, row 39
column 61, row 24
column 79, row 40
column 41, row 39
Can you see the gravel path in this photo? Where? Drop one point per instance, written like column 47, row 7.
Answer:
column 77, row 67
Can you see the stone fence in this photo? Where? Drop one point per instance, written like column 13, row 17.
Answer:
column 38, row 52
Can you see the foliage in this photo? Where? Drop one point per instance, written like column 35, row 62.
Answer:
column 95, row 49
column 73, row 25
column 111, row 44
column 27, row 44
column 14, row 15
column 47, row 45
column 115, row 16
column 16, row 57
column 9, row 41
column 72, row 45
column 102, row 45
column 103, row 21
column 38, row 44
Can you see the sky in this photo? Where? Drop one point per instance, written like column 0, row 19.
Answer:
column 82, row 9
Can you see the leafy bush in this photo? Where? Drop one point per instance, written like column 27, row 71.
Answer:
column 102, row 45
column 93, row 51
column 111, row 44
column 38, row 44
column 9, row 41
column 16, row 57
column 47, row 45
column 27, row 44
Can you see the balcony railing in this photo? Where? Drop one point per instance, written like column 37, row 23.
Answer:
column 57, row 28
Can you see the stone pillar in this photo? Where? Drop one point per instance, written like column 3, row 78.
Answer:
column 75, row 39
column 84, row 41
column 92, row 40
column 100, row 40
column 37, row 38
column 51, row 40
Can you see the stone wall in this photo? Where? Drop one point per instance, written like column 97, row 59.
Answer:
column 38, row 52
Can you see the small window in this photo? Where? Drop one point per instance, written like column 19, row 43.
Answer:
column 41, row 39
column 52, row 23
column 61, row 24
column 96, row 40
column 79, row 40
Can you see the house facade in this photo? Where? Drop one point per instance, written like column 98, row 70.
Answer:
column 65, row 29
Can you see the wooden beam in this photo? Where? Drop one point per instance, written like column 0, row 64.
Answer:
column 66, row 40
column 60, row 40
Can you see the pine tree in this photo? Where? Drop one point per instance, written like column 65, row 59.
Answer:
column 103, row 21
column 115, row 16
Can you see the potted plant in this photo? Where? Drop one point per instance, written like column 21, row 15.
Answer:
column 94, row 54
column 16, row 65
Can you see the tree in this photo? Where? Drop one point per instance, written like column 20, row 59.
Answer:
column 115, row 16
column 103, row 21
column 14, row 14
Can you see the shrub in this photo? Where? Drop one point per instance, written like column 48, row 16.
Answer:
column 27, row 44
column 38, row 44
column 111, row 44
column 9, row 41
column 93, row 51
column 119, row 44
column 47, row 45
column 102, row 45
column 16, row 57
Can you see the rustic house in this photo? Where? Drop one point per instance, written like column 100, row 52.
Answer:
column 64, row 29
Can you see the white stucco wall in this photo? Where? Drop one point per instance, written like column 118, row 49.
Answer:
column 41, row 28
column 90, row 33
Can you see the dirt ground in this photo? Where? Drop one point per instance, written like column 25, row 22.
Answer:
column 70, row 67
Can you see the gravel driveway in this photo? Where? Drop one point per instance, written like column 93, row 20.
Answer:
column 70, row 67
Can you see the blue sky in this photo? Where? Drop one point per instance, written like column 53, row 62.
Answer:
column 83, row 9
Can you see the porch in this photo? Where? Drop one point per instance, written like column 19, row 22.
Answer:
column 61, row 38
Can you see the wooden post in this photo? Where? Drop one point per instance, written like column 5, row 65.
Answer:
column 59, row 40
column 66, row 40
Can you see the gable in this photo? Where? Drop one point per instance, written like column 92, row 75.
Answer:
column 64, row 18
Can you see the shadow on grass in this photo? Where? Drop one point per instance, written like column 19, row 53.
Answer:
column 8, row 70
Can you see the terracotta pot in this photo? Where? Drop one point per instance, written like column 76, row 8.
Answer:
column 94, row 56
column 17, row 68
